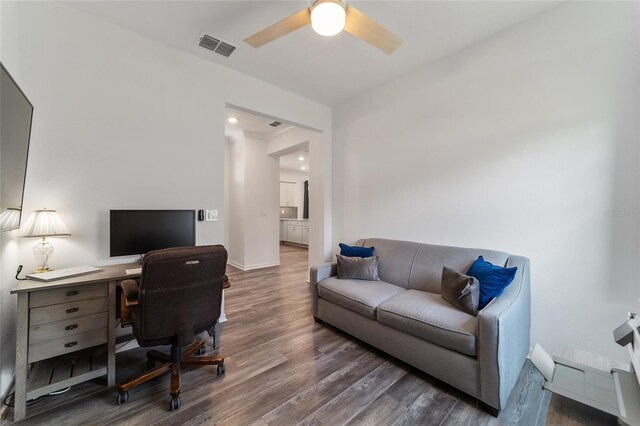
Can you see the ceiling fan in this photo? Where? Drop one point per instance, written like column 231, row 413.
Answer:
column 329, row 17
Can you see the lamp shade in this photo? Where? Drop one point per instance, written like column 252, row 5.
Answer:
column 328, row 17
column 10, row 219
column 45, row 223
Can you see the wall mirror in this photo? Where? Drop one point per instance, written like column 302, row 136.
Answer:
column 16, row 113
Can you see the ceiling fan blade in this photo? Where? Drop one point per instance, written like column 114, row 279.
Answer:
column 280, row 29
column 365, row 28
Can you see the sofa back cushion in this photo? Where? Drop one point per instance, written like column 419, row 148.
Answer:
column 394, row 259
column 419, row 266
column 427, row 268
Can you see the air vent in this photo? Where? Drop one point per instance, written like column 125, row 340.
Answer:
column 225, row 49
column 215, row 45
column 275, row 124
column 209, row 43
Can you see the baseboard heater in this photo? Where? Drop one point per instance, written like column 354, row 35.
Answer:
column 616, row 392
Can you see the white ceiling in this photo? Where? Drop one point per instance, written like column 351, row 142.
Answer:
column 329, row 70
column 292, row 162
column 258, row 125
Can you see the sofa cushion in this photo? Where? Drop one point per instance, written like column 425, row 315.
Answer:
column 429, row 317
column 358, row 268
column 493, row 279
column 460, row 290
column 396, row 259
column 355, row 251
column 426, row 270
column 358, row 296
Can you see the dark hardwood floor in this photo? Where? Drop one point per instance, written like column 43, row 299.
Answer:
column 283, row 369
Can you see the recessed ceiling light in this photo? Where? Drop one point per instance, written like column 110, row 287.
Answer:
column 303, row 168
column 232, row 120
column 301, row 158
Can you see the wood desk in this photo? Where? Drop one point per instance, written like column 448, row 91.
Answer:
column 66, row 332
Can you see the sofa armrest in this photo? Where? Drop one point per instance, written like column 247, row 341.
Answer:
column 504, row 337
column 323, row 271
column 317, row 274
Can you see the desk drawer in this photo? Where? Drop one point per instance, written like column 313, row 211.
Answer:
column 67, row 294
column 65, row 328
column 63, row 311
column 51, row 348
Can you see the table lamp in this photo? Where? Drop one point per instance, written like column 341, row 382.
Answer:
column 44, row 223
column 10, row 219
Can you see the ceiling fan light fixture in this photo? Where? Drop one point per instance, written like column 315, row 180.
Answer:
column 328, row 17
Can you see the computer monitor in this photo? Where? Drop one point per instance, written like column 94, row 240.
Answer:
column 135, row 232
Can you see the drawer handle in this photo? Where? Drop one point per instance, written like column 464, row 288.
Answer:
column 70, row 345
column 73, row 293
column 72, row 310
column 71, row 327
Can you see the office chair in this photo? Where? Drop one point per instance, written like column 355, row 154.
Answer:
column 179, row 296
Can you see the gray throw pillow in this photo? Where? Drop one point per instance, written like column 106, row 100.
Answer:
column 358, row 268
column 462, row 291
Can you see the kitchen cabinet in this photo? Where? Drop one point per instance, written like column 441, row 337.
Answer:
column 294, row 231
column 294, row 234
column 287, row 194
column 283, row 230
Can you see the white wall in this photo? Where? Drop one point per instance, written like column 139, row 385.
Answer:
column 525, row 143
column 132, row 123
column 234, row 213
column 262, row 239
column 122, row 121
column 254, row 195
column 253, row 192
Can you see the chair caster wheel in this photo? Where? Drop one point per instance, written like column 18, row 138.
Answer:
column 221, row 369
column 175, row 403
column 151, row 363
column 122, row 397
column 202, row 350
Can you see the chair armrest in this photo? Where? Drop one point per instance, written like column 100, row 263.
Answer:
column 504, row 336
column 317, row 274
column 130, row 292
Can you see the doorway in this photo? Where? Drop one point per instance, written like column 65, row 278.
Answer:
column 267, row 177
column 294, row 204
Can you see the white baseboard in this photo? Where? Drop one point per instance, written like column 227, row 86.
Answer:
column 252, row 267
column 235, row 265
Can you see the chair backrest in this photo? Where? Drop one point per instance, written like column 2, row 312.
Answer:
column 181, row 292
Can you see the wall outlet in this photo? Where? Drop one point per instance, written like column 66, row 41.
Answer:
column 211, row 216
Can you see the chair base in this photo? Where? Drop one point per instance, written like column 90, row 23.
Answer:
column 170, row 363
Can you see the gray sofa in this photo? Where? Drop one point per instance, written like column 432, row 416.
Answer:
column 405, row 316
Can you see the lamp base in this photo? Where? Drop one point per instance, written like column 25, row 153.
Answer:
column 42, row 250
column 41, row 270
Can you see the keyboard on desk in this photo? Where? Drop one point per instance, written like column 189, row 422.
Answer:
column 133, row 271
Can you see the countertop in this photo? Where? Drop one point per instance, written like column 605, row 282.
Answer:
column 298, row 220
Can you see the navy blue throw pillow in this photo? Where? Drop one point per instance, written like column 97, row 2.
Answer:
column 355, row 251
column 493, row 279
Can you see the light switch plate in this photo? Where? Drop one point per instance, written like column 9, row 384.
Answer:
column 211, row 215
